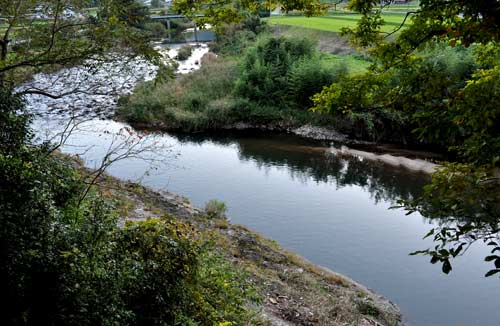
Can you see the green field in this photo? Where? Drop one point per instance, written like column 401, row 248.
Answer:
column 334, row 22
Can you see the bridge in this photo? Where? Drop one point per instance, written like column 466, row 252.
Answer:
column 170, row 17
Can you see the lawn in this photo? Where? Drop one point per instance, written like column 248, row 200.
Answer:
column 334, row 22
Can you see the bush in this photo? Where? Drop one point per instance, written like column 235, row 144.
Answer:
column 409, row 104
column 184, row 53
column 284, row 72
column 64, row 260
column 233, row 39
column 308, row 77
column 195, row 101
column 157, row 29
column 14, row 131
column 215, row 209
column 272, row 86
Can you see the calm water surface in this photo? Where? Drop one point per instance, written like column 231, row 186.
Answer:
column 332, row 210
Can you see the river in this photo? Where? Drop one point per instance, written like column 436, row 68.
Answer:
column 333, row 210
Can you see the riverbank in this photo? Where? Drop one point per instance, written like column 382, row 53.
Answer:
column 293, row 290
column 268, row 85
column 389, row 154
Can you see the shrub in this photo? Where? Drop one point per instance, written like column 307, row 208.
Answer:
column 308, row 77
column 272, row 86
column 233, row 39
column 66, row 261
column 184, row 53
column 194, row 101
column 14, row 131
column 157, row 29
column 284, row 72
column 215, row 209
column 409, row 104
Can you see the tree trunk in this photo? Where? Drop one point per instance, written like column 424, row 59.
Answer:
column 3, row 53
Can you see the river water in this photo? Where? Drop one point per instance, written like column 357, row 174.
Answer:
column 333, row 210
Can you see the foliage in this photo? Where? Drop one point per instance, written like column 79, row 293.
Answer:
column 221, row 12
column 14, row 132
column 184, row 53
column 42, row 35
column 234, row 38
column 172, row 278
column 191, row 102
column 157, row 29
column 456, row 21
column 215, row 209
column 464, row 199
column 265, row 67
column 308, row 77
column 64, row 261
column 454, row 105
column 283, row 72
column 223, row 93
column 426, row 94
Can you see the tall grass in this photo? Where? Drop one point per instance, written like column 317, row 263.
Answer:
column 195, row 101
column 270, row 86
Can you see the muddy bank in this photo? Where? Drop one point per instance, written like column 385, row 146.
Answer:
column 293, row 290
column 414, row 164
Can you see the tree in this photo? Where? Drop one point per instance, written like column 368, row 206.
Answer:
column 465, row 115
column 43, row 35
column 457, row 22
column 64, row 259
column 219, row 12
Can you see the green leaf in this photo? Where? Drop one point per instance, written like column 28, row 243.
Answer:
column 431, row 232
column 447, row 267
column 492, row 272
column 418, row 252
column 490, row 258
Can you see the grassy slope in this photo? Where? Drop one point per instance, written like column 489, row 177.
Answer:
column 334, row 22
column 294, row 291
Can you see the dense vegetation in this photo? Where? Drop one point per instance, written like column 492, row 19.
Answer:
column 65, row 259
column 270, row 85
column 434, row 82
column 454, row 105
column 406, row 104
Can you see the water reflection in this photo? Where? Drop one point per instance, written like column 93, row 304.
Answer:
column 310, row 161
column 331, row 209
